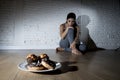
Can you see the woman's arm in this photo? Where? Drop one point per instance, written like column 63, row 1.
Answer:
column 63, row 32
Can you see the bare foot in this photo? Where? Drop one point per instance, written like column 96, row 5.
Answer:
column 59, row 49
column 75, row 51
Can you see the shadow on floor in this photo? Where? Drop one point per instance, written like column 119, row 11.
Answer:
column 66, row 67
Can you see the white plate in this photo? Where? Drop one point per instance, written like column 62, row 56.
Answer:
column 23, row 66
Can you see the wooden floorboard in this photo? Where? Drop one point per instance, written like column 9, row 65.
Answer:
column 95, row 65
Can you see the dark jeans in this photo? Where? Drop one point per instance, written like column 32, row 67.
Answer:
column 65, row 43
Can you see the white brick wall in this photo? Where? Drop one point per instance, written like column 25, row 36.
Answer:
column 34, row 24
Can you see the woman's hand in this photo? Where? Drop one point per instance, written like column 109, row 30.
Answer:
column 68, row 28
column 62, row 32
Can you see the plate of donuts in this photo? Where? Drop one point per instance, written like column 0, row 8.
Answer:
column 41, row 63
column 24, row 67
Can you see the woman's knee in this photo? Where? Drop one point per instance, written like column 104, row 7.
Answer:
column 70, row 30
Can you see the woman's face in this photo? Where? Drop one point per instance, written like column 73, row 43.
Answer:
column 70, row 21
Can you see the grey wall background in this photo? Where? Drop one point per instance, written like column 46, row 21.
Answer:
column 34, row 24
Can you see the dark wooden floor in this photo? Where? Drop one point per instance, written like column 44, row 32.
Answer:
column 96, row 65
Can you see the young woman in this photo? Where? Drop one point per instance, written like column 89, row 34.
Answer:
column 69, row 33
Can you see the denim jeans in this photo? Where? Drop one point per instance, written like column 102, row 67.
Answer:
column 69, row 38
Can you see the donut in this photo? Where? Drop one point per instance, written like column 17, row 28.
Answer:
column 52, row 63
column 35, row 67
column 43, row 55
column 46, row 62
column 46, row 65
column 32, row 58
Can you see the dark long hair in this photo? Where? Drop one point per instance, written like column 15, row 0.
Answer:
column 72, row 15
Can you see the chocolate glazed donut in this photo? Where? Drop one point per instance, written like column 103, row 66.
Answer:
column 46, row 62
column 32, row 58
column 33, row 64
